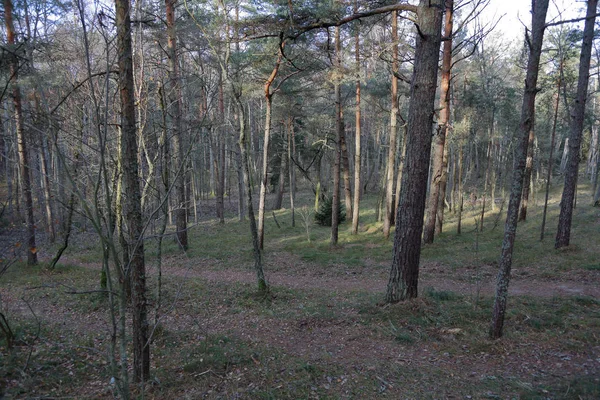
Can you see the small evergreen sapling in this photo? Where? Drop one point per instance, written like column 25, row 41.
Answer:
column 323, row 216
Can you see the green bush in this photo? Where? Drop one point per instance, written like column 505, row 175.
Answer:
column 323, row 216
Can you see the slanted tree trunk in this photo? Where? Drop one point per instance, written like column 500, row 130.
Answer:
column 563, row 234
column 439, row 169
column 22, row 141
column 540, row 7
column 357, row 133
column 404, row 272
column 389, row 182
column 175, row 103
column 131, row 199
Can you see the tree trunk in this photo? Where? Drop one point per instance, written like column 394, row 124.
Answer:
column 440, row 139
column 389, row 183
column 258, row 265
column 131, row 196
column 540, row 7
column 528, row 167
column 265, row 168
column 339, row 126
column 291, row 169
column 22, row 141
column 175, row 102
column 404, row 272
column 551, row 156
column 357, row 133
column 563, row 234
column 281, row 183
column 220, row 154
column 346, row 173
column 265, row 161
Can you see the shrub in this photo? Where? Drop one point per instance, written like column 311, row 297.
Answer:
column 323, row 216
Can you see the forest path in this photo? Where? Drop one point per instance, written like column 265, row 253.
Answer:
column 371, row 279
column 289, row 271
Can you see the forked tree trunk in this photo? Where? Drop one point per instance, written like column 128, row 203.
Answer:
column 175, row 102
column 563, row 234
column 540, row 8
column 404, row 272
column 388, row 220
column 131, row 205
column 439, row 176
column 22, row 142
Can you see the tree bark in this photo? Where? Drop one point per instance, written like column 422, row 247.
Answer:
column 551, row 156
column 563, row 234
column 22, row 141
column 540, row 8
column 404, row 272
column 131, row 201
column 389, row 182
column 265, row 161
column 440, row 139
column 357, row 133
column 180, row 195
column 346, row 172
column 528, row 168
column 339, row 126
column 291, row 169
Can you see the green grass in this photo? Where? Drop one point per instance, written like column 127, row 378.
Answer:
column 222, row 340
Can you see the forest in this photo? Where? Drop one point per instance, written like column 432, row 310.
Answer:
column 269, row 199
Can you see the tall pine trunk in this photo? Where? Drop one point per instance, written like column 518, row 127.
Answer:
column 437, row 180
column 389, row 182
column 175, row 102
column 563, row 234
column 357, row 133
column 22, row 141
column 339, row 126
column 540, row 8
column 131, row 199
column 404, row 272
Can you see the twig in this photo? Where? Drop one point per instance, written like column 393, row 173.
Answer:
column 275, row 219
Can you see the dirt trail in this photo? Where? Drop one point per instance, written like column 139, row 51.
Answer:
column 303, row 276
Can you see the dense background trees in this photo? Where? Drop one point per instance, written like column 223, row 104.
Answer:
column 211, row 104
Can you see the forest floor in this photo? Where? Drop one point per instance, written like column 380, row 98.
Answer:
column 322, row 333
